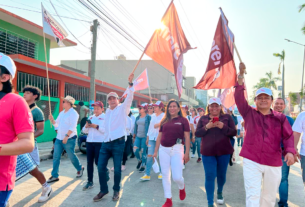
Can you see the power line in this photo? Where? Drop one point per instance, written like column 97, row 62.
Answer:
column 40, row 13
column 108, row 23
column 68, row 28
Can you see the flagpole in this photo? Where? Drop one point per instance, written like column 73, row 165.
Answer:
column 138, row 63
column 149, row 94
column 47, row 69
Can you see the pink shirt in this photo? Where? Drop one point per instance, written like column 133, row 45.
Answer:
column 15, row 118
column 264, row 133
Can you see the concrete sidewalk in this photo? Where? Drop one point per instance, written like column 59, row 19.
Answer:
column 134, row 193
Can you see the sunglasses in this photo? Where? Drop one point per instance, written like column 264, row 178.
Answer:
column 140, row 108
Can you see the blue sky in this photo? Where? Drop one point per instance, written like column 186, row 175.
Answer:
column 260, row 28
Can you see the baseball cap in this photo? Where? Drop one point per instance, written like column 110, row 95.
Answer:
column 263, row 90
column 159, row 104
column 8, row 63
column 70, row 99
column 98, row 103
column 112, row 94
column 198, row 109
column 185, row 106
column 144, row 105
column 215, row 100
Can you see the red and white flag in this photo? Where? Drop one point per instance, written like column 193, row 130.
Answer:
column 168, row 44
column 227, row 97
column 220, row 72
column 52, row 27
column 140, row 83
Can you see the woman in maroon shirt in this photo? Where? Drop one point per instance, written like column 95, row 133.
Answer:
column 173, row 128
column 215, row 129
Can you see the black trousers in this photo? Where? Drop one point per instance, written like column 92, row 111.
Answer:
column 93, row 152
column 127, row 149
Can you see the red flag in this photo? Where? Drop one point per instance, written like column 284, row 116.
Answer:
column 227, row 97
column 221, row 71
column 168, row 44
column 140, row 83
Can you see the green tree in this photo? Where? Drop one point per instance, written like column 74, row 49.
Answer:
column 282, row 58
column 301, row 8
column 293, row 98
column 269, row 82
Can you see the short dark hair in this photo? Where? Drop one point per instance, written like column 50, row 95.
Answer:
column 81, row 103
column 7, row 86
column 34, row 90
column 281, row 99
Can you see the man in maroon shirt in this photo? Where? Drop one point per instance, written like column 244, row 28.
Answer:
column 262, row 152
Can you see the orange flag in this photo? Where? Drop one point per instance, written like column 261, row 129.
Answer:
column 168, row 44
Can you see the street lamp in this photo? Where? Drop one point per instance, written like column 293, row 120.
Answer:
column 302, row 72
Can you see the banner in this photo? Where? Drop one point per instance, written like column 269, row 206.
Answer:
column 52, row 27
column 227, row 97
column 168, row 44
column 220, row 72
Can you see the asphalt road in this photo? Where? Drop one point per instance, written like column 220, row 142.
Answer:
column 68, row 191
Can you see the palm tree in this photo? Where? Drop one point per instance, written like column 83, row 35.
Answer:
column 301, row 8
column 268, row 82
column 282, row 58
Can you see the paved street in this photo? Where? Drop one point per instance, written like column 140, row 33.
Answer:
column 68, row 191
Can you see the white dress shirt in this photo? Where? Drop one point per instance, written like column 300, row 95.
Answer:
column 115, row 120
column 129, row 125
column 152, row 131
column 95, row 135
column 299, row 126
column 66, row 121
column 133, row 121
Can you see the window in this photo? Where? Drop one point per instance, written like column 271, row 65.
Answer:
column 12, row 43
column 101, row 97
column 24, row 79
column 79, row 93
column 183, row 82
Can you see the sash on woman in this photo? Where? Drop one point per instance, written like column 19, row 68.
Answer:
column 25, row 164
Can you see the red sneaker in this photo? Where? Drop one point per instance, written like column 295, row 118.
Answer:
column 168, row 203
column 182, row 194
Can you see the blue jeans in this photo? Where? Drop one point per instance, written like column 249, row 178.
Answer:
column 116, row 150
column 151, row 150
column 59, row 147
column 283, row 189
column 197, row 143
column 140, row 149
column 4, row 196
column 215, row 166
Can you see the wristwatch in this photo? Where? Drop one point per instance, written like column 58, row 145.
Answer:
column 240, row 76
column 66, row 135
column 131, row 84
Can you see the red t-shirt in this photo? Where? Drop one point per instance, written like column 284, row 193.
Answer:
column 173, row 130
column 15, row 118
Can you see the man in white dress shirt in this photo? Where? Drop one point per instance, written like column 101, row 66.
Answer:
column 114, row 142
column 66, row 124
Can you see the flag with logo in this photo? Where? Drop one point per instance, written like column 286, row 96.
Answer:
column 140, row 83
column 220, row 72
column 52, row 27
column 168, row 44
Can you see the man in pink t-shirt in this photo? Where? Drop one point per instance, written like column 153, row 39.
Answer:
column 16, row 124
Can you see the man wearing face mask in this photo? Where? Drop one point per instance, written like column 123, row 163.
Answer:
column 262, row 152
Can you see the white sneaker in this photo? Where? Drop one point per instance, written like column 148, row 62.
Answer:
column 45, row 195
column 193, row 155
column 183, row 167
column 123, row 168
column 220, row 201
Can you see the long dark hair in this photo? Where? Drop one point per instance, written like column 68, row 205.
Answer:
column 207, row 111
column 7, row 86
column 167, row 116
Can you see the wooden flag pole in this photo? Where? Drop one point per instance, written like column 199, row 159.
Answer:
column 138, row 63
column 238, row 55
column 47, row 69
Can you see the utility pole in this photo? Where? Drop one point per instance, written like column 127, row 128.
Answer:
column 283, row 81
column 93, row 29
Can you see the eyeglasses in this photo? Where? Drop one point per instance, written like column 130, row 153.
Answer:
column 263, row 98
column 150, row 108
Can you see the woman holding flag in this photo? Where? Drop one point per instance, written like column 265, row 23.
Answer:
column 215, row 129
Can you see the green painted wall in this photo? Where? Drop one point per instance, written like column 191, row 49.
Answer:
column 49, row 131
column 27, row 34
